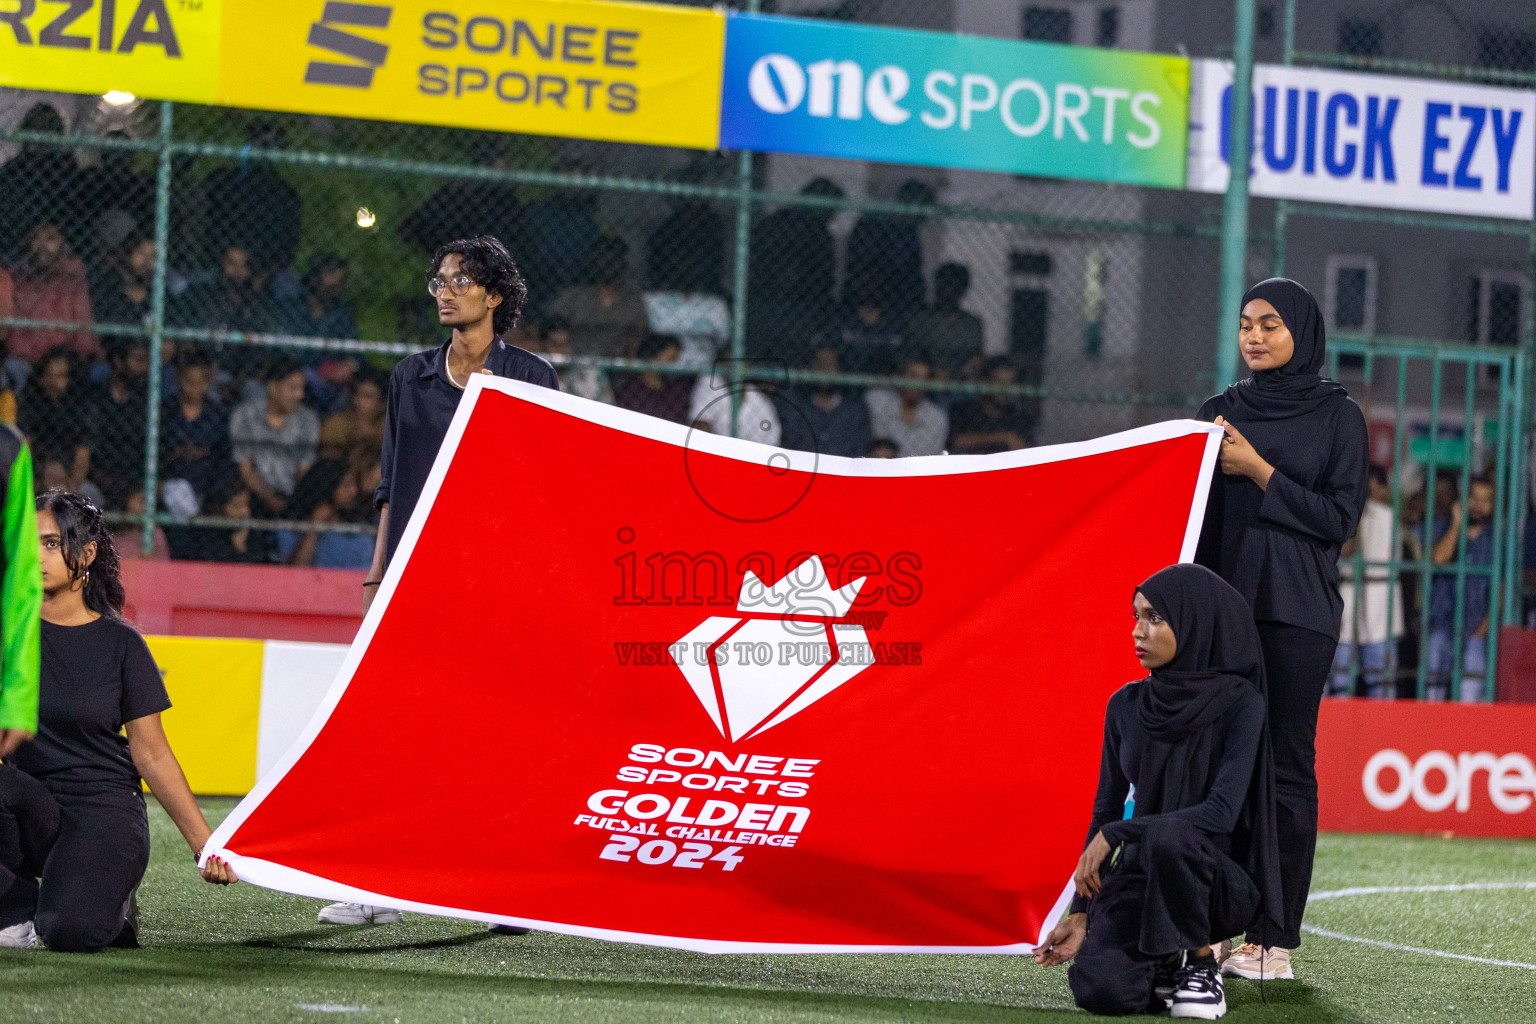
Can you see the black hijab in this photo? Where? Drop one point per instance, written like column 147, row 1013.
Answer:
column 1297, row 387
column 1182, row 704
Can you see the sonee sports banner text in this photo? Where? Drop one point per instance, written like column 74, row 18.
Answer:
column 682, row 689
column 625, row 72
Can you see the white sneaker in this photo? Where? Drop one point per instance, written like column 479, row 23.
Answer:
column 19, row 936
column 1270, row 963
column 1198, row 993
column 357, row 913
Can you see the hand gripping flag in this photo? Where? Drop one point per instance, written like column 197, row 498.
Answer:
column 636, row 682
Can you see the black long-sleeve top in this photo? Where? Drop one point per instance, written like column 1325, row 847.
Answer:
column 417, row 411
column 1279, row 546
column 1120, row 761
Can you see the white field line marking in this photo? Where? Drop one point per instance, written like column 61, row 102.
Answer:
column 328, row 1008
column 1376, row 890
column 1373, row 890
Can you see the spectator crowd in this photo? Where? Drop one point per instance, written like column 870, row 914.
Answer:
column 264, row 431
column 1391, row 630
column 250, row 431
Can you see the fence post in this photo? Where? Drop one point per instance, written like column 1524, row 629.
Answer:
column 157, row 325
column 1521, row 441
column 739, row 285
column 1234, row 224
column 1283, row 206
column 739, row 272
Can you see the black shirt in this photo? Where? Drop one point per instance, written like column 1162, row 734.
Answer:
column 978, row 416
column 1279, row 546
column 1120, row 761
column 807, row 427
column 217, row 544
column 420, row 406
column 197, row 451
column 94, row 678
column 54, row 428
column 117, row 461
column 671, row 402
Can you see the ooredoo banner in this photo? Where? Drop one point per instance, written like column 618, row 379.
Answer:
column 636, row 682
column 1410, row 766
column 828, row 89
column 626, row 72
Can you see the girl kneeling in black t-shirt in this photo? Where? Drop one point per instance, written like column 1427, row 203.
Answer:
column 74, row 835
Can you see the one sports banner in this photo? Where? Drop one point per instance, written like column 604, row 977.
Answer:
column 641, row 683
column 802, row 85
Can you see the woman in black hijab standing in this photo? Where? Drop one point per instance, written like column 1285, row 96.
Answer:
column 1197, row 859
column 1289, row 492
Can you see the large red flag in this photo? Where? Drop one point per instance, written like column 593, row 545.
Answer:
column 634, row 682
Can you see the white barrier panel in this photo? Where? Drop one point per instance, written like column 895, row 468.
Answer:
column 294, row 678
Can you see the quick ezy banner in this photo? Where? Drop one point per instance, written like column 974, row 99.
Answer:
column 1371, row 140
column 826, row 88
column 635, row 682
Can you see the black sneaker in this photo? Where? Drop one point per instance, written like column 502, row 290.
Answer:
column 128, row 933
column 507, row 929
column 1197, row 991
column 1166, row 978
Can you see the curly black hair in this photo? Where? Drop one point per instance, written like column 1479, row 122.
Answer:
column 81, row 524
column 490, row 265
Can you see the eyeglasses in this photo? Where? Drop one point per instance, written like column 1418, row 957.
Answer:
column 457, row 284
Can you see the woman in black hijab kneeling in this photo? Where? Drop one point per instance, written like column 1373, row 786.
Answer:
column 1290, row 490
column 1197, row 860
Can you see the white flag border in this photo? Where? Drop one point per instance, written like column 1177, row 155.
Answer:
column 276, row 876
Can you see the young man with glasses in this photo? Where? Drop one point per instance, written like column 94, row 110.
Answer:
column 479, row 294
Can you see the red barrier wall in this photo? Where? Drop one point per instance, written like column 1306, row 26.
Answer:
column 260, row 602
column 1405, row 766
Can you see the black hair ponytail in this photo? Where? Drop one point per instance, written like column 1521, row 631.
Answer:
column 80, row 524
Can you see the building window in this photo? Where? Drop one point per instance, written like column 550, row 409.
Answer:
column 1495, row 308
column 1264, row 23
column 1507, row 49
column 1349, row 297
column 1048, row 24
column 1362, row 37
column 1109, row 27
column 1095, row 302
column 1029, row 312
column 1029, row 264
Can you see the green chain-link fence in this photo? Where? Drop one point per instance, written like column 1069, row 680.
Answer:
column 1449, row 407
column 1009, row 311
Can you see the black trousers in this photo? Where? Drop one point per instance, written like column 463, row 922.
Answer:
column 1296, row 664
column 70, row 857
column 1173, row 890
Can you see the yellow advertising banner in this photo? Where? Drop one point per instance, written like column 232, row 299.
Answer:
column 215, row 691
column 168, row 49
column 624, row 72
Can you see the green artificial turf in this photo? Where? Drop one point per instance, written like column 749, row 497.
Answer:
column 246, row 954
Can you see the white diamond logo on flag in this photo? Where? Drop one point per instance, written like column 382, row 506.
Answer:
column 744, row 698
